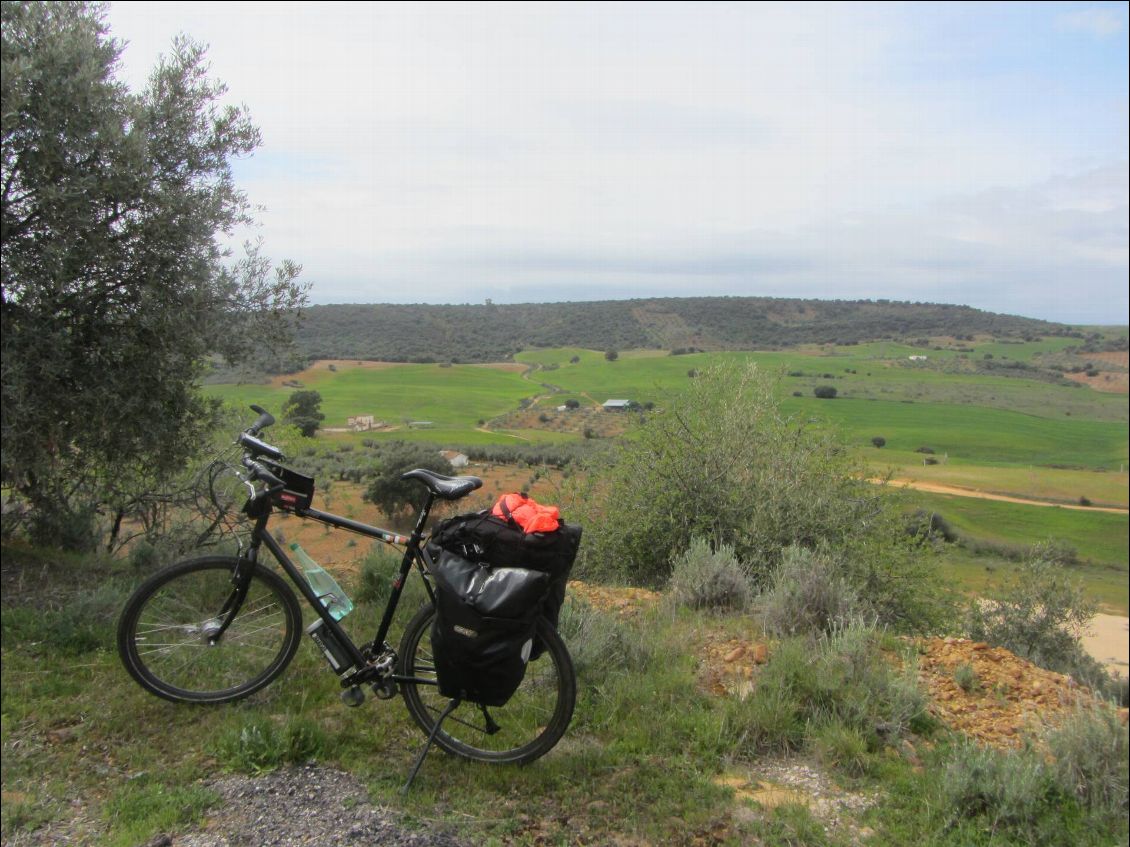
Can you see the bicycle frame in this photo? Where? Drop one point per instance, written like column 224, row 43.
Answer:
column 361, row 656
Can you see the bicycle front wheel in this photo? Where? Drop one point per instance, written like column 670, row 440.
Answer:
column 527, row 727
column 166, row 632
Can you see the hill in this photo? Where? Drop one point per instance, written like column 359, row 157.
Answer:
column 491, row 333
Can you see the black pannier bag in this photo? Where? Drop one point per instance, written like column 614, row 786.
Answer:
column 482, row 537
column 483, row 634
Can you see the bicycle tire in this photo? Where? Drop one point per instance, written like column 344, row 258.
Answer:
column 182, row 601
column 530, row 724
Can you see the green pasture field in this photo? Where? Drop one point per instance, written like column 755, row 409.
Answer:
column 993, row 531
column 880, row 371
column 973, row 433
column 457, row 396
column 1102, row 488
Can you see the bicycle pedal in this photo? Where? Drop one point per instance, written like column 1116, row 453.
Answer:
column 353, row 696
column 385, row 689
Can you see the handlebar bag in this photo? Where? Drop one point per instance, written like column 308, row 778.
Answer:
column 483, row 634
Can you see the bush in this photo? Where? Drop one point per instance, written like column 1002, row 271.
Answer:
column 720, row 461
column 601, row 644
column 966, row 678
column 378, row 570
column 1090, row 754
column 1040, row 615
column 840, row 683
column 1006, row 788
column 825, row 392
column 702, row 578
column 879, row 441
column 807, row 596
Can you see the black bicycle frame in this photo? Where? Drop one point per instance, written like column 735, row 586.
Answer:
column 413, row 553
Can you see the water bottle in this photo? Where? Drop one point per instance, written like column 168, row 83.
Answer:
column 335, row 600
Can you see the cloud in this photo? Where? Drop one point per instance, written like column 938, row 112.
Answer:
column 1100, row 21
column 442, row 152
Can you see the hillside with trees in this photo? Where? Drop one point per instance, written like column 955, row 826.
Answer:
column 492, row 332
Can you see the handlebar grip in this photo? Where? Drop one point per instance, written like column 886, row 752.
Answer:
column 259, row 448
column 265, row 420
column 261, row 473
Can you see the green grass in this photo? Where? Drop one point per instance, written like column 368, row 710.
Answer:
column 991, row 436
column 1102, row 488
column 447, row 396
column 638, row 764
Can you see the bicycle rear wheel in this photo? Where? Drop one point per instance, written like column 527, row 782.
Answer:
column 527, row 727
column 165, row 632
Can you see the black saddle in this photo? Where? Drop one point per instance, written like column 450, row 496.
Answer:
column 445, row 487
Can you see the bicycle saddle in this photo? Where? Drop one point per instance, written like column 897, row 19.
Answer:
column 445, row 487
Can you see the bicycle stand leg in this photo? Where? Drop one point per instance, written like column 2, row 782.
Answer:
column 451, row 707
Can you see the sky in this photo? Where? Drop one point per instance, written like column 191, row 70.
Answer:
column 454, row 152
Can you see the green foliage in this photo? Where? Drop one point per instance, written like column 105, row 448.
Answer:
column 79, row 624
column 707, row 578
column 144, row 807
column 842, row 747
column 388, row 491
column 966, row 677
column 482, row 333
column 1040, row 615
column 611, row 355
column 721, row 461
column 114, row 287
column 601, row 644
column 378, row 570
column 1006, row 790
column 1090, row 755
column 808, row 595
column 303, row 410
column 841, row 682
column 825, row 392
column 259, row 744
column 879, row 441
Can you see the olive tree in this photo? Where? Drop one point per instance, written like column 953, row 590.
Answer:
column 116, row 285
column 720, row 461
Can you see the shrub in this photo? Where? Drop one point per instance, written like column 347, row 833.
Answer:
column 601, row 644
column 840, row 682
column 879, row 441
column 720, row 461
column 825, row 392
column 611, row 355
column 929, row 450
column 1090, row 754
column 1084, row 501
column 378, row 570
column 966, row 678
column 807, row 596
column 929, row 525
column 705, row 578
column 1040, row 615
column 841, row 747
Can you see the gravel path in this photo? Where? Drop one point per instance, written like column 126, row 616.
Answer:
column 297, row 807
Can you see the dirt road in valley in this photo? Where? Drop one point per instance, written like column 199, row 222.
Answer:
column 958, row 491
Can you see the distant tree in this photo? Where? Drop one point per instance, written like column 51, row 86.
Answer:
column 388, row 491
column 879, row 441
column 825, row 392
column 574, row 359
column 303, row 409
column 572, row 403
column 611, row 355
column 115, row 284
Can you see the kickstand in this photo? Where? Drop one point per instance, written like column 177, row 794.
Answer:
column 451, row 707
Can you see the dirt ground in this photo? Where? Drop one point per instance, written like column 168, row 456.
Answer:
column 958, row 491
column 1008, row 699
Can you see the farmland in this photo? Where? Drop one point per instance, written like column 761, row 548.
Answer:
column 1022, row 432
